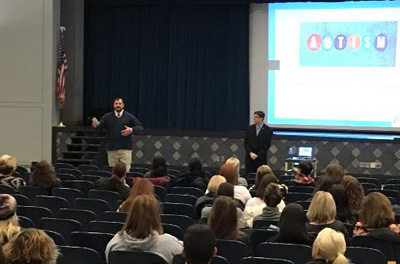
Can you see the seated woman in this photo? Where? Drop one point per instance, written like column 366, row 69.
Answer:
column 335, row 172
column 143, row 231
column 235, row 161
column 158, row 173
column 272, row 197
column 377, row 218
column 223, row 221
column 343, row 212
column 261, row 172
column 195, row 177
column 329, row 247
column 255, row 205
column 31, row 246
column 142, row 186
column 211, row 193
column 230, row 173
column 117, row 181
column 8, row 164
column 9, row 225
column 322, row 213
column 44, row 176
column 292, row 226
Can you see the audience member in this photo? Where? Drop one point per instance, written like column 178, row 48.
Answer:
column 303, row 174
column 199, row 244
column 211, row 193
column 354, row 192
column 255, row 205
column 261, row 172
column 8, row 164
column 329, row 247
column 195, row 177
column 158, row 173
column 292, row 226
column 336, row 172
column 377, row 219
column 235, row 161
column 230, row 173
column 9, row 225
column 223, row 221
column 324, row 183
column 143, row 231
column 272, row 197
column 343, row 212
column 31, row 246
column 322, row 213
column 44, row 176
column 142, row 186
column 117, row 181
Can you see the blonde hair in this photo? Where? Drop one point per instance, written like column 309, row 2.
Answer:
column 8, row 164
column 214, row 183
column 322, row 208
column 234, row 161
column 330, row 245
column 31, row 246
column 261, row 172
column 8, row 228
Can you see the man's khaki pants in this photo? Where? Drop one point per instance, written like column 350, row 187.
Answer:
column 122, row 155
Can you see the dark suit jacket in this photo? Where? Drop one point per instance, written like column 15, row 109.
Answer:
column 259, row 144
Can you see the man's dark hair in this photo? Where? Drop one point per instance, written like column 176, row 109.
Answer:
column 119, row 98
column 260, row 114
column 306, row 167
column 199, row 243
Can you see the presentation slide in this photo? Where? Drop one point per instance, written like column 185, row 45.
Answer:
column 334, row 65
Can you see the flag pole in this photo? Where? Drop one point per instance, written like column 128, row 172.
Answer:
column 62, row 29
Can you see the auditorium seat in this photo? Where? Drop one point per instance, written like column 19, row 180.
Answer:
column 63, row 226
column 261, row 260
column 109, row 196
column 137, row 257
column 78, row 255
column 94, row 240
column 232, row 250
column 70, row 194
column 181, row 198
column 297, row 253
column 53, row 203
column 95, row 205
column 77, row 173
column 187, row 190
column 82, row 216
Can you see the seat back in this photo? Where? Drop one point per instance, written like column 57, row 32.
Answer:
column 261, row 260
column 361, row 255
column 74, row 172
column 101, row 173
column 25, row 222
column 91, row 178
column 22, row 199
column 180, row 220
column 57, row 237
column 95, row 205
column 93, row 240
column 292, row 197
column 82, row 216
column 32, row 191
column 7, row 189
column 297, row 253
column 84, row 168
column 112, row 216
column 62, row 226
column 232, row 250
column 179, row 259
column 173, row 230
column 61, row 165
column 83, row 186
column 79, row 255
column 108, row 196
column 105, row 227
column 137, row 257
column 265, row 224
column 370, row 180
column 259, row 236
column 35, row 213
column 187, row 190
column 301, row 189
column 66, row 177
column 390, row 250
column 54, row 203
column 181, row 198
column 70, row 194
column 179, row 209
column 160, row 191
column 393, row 181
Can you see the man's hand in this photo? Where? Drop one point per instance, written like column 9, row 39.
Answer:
column 127, row 131
column 253, row 155
column 95, row 122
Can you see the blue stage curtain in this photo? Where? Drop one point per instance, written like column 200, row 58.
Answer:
column 178, row 66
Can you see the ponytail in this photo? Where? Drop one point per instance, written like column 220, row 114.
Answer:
column 341, row 259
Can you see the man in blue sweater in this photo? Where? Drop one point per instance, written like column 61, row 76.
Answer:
column 120, row 126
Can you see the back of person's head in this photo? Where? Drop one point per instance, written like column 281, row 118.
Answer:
column 234, row 161
column 223, row 218
column 343, row 212
column 31, row 246
column 305, row 167
column 292, row 224
column 214, row 183
column 142, row 186
column 226, row 189
column 43, row 175
column 159, row 166
column 199, row 244
column 118, row 176
column 8, row 164
column 8, row 218
column 336, row 172
column 261, row 172
column 195, row 164
column 272, row 195
column 143, row 217
column 322, row 208
column 354, row 192
column 229, row 171
column 324, row 183
column 265, row 181
column 331, row 246
column 376, row 211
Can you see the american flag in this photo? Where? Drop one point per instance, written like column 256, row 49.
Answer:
column 62, row 70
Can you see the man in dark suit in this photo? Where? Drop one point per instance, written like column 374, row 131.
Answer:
column 257, row 142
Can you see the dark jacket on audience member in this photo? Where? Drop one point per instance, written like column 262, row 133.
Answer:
column 103, row 184
column 195, row 179
column 203, row 201
column 385, row 234
column 336, row 225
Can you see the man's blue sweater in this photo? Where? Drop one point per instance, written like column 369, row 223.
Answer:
column 114, row 125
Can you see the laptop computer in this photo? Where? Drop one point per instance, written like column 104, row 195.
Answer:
column 305, row 153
